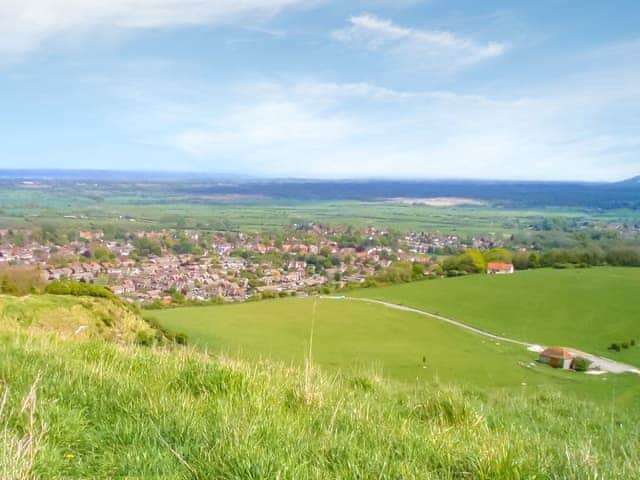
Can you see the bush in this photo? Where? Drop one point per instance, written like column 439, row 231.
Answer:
column 632, row 343
column 161, row 334
column 145, row 339
column 624, row 345
column 180, row 338
column 614, row 347
column 581, row 364
column 78, row 289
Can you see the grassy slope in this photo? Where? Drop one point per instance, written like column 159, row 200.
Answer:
column 114, row 411
column 105, row 409
column 584, row 308
column 81, row 318
column 350, row 335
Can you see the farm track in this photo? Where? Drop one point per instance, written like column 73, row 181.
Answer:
column 601, row 363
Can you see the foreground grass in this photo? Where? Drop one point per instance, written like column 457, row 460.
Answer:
column 582, row 308
column 108, row 410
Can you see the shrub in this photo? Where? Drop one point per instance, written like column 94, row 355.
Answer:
column 144, row 339
column 632, row 342
column 180, row 338
column 267, row 294
column 72, row 287
column 614, row 347
column 624, row 345
column 581, row 364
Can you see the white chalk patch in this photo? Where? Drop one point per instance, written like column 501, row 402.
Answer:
column 80, row 329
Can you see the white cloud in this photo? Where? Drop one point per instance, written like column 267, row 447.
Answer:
column 27, row 24
column 427, row 48
column 269, row 124
column 313, row 129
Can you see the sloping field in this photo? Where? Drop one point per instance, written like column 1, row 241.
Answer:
column 359, row 336
column 583, row 308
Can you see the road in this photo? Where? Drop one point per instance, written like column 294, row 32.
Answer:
column 599, row 363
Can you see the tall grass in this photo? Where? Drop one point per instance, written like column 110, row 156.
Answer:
column 20, row 445
column 116, row 410
column 309, row 393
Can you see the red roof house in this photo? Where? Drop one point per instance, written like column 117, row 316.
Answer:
column 498, row 268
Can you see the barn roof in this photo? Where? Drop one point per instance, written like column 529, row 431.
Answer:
column 499, row 266
column 556, row 352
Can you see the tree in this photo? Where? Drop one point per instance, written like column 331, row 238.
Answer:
column 102, row 254
column 501, row 255
column 417, row 271
column 472, row 261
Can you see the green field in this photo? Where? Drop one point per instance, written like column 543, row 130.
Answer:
column 586, row 309
column 358, row 336
column 349, row 335
column 137, row 206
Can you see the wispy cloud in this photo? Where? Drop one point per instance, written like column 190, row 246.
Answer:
column 26, row 25
column 319, row 129
column 427, row 48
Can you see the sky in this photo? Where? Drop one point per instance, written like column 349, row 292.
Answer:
column 398, row 89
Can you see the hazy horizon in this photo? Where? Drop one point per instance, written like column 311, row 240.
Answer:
column 183, row 175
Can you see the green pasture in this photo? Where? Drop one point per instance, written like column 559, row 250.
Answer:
column 586, row 309
column 352, row 336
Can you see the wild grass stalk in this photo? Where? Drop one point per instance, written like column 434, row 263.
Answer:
column 18, row 452
column 309, row 393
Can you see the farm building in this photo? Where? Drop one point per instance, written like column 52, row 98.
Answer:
column 499, row 268
column 556, row 357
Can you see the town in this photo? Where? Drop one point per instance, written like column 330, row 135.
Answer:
column 171, row 266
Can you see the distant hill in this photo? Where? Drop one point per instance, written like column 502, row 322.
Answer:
column 631, row 181
column 202, row 187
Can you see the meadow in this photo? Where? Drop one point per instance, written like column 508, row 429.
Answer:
column 403, row 346
column 586, row 309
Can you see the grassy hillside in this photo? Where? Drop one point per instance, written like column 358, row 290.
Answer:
column 72, row 317
column 583, row 308
column 357, row 336
column 95, row 409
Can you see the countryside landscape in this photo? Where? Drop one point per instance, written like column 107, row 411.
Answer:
column 280, row 239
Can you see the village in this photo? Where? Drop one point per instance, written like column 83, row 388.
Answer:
column 171, row 266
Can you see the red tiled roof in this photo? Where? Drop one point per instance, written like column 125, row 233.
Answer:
column 499, row 266
column 556, row 352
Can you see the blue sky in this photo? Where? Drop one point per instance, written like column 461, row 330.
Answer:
column 323, row 88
